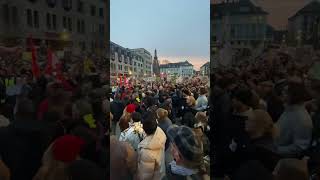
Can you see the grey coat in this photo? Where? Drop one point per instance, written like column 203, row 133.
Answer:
column 295, row 127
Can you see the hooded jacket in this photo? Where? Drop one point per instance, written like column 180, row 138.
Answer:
column 151, row 163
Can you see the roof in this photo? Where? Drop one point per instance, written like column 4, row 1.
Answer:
column 242, row 7
column 175, row 65
column 311, row 8
column 206, row 64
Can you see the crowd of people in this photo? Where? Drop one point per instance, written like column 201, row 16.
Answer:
column 160, row 130
column 261, row 120
column 52, row 128
column 265, row 119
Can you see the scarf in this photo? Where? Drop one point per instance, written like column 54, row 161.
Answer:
column 182, row 171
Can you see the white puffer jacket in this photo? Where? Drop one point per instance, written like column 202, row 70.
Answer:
column 151, row 160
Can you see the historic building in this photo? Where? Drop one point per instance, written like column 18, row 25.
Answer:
column 129, row 62
column 240, row 25
column 304, row 25
column 182, row 69
column 205, row 69
column 66, row 25
column 146, row 60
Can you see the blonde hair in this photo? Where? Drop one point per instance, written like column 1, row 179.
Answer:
column 261, row 124
column 162, row 113
column 192, row 100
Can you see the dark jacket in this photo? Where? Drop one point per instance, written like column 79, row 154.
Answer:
column 220, row 121
column 116, row 108
column 188, row 116
column 164, row 125
column 22, row 144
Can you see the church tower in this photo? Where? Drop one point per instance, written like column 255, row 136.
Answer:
column 155, row 65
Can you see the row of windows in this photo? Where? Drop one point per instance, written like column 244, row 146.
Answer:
column 51, row 22
column 114, row 67
column 247, row 31
column 9, row 14
column 67, row 5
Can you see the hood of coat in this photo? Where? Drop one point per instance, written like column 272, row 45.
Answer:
column 154, row 142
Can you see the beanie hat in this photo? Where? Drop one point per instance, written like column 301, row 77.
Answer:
column 67, row 148
column 131, row 108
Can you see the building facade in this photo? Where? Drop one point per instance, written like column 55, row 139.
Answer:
column 129, row 62
column 239, row 24
column 205, row 69
column 304, row 26
column 181, row 69
column 146, row 60
column 68, row 25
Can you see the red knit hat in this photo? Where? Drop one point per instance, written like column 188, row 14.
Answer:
column 67, row 148
column 131, row 108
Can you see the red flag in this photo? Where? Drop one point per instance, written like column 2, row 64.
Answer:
column 120, row 83
column 35, row 66
column 125, row 80
column 49, row 67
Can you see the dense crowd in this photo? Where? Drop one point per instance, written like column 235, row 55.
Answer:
column 52, row 128
column 265, row 119
column 160, row 130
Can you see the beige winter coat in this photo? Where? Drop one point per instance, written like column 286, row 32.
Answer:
column 151, row 160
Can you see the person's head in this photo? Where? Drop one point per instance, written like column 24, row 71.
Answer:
column 130, row 108
column 67, row 148
column 191, row 101
column 81, row 108
column 149, row 123
column 242, row 99
column 201, row 117
column 189, row 119
column 203, row 91
column 162, row 113
column 260, row 124
column 252, row 170
column 124, row 122
column 265, row 88
column 136, row 117
column 84, row 170
column 186, row 148
column 293, row 169
column 149, row 101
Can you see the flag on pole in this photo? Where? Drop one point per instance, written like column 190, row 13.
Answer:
column 53, row 64
column 120, row 83
column 49, row 68
column 125, row 80
column 34, row 65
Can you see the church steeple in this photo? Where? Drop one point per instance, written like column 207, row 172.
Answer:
column 155, row 54
column 156, row 67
